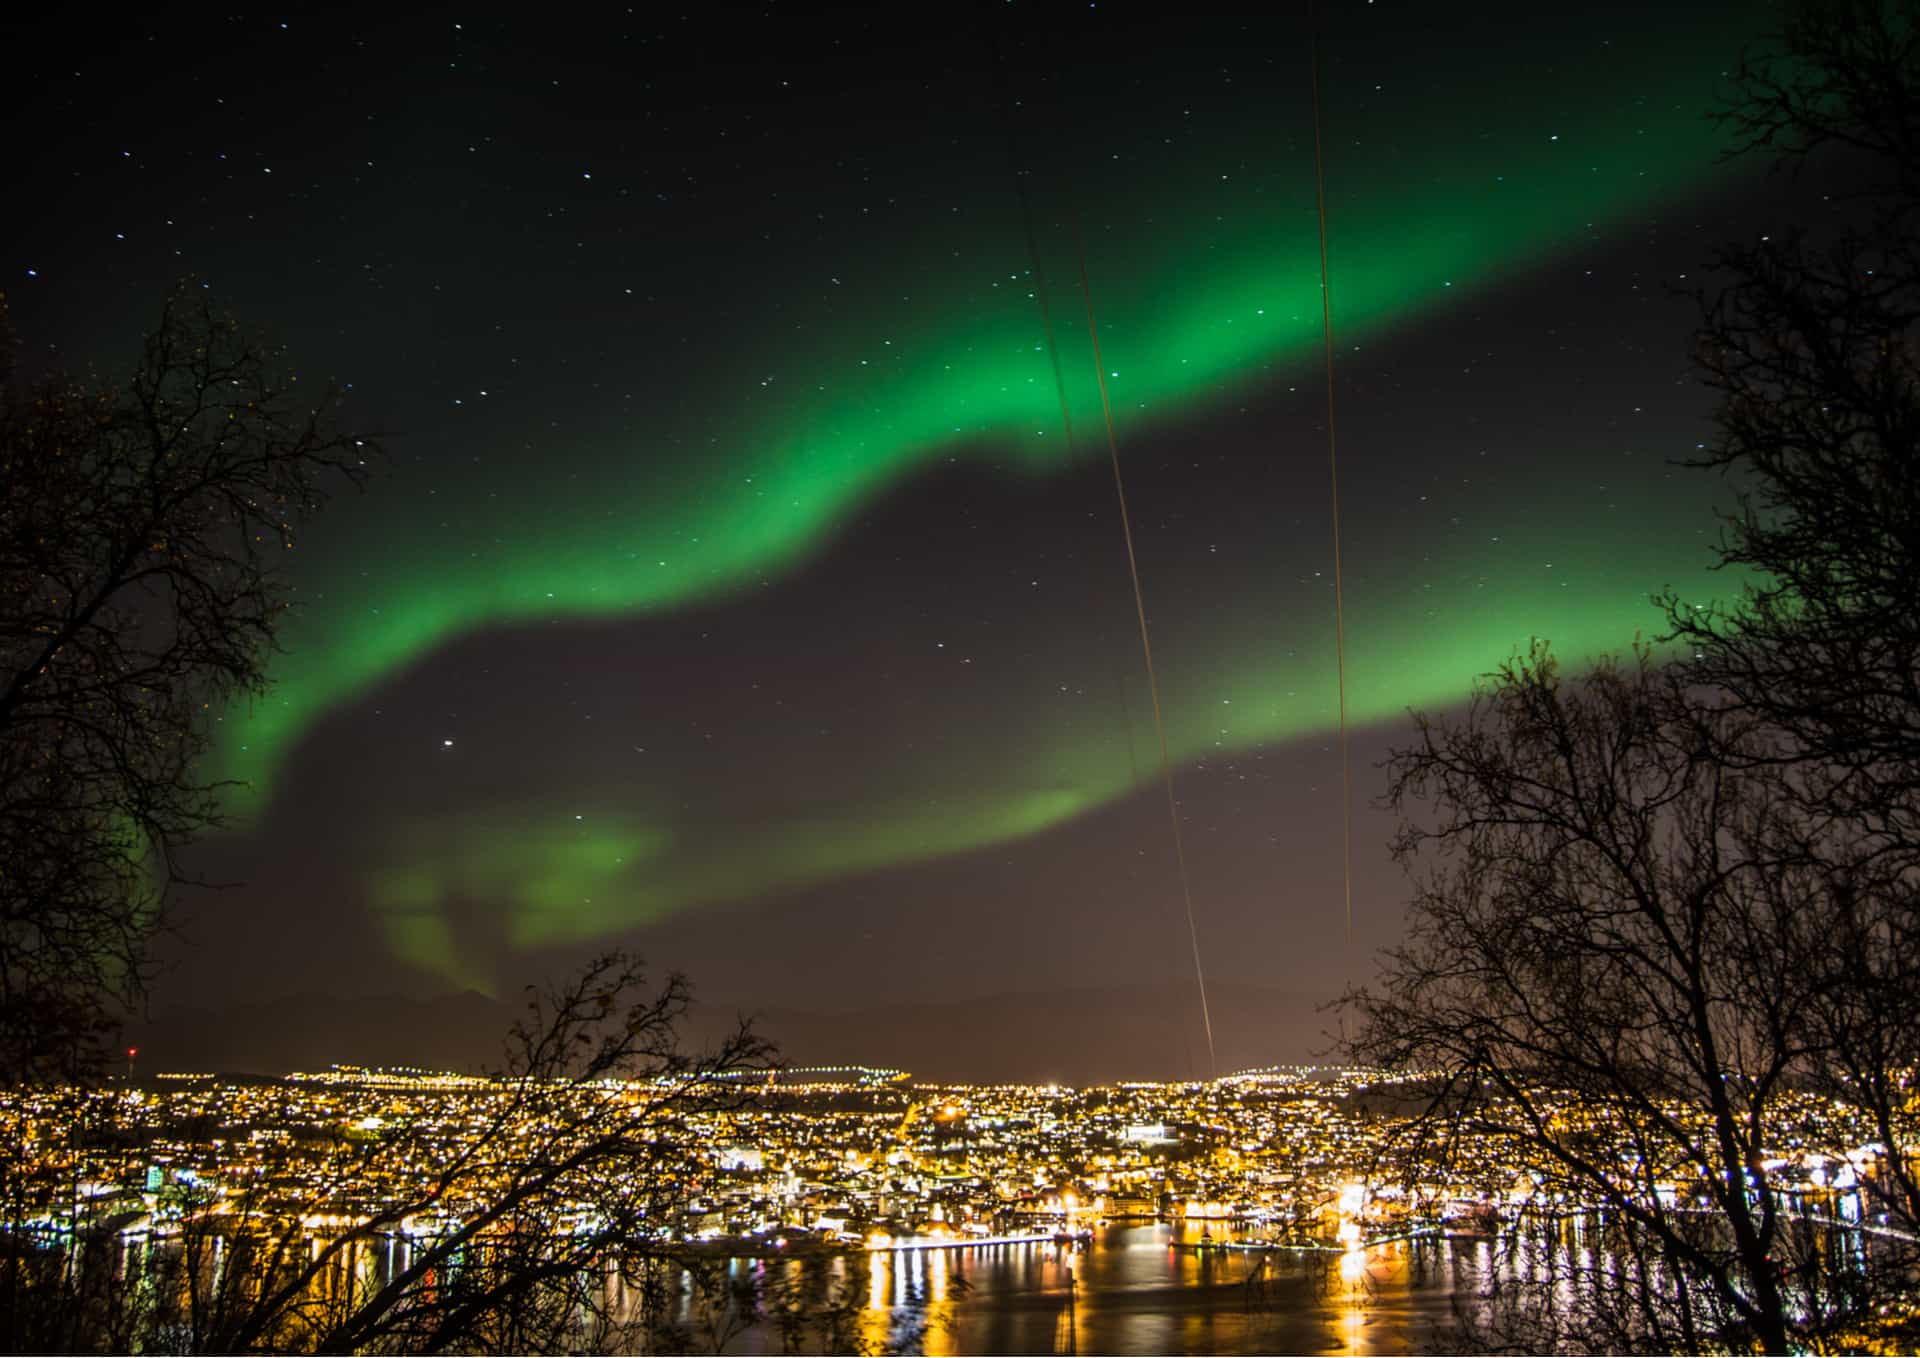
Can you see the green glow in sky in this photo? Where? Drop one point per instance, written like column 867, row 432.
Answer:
column 567, row 877
column 1183, row 329
column 792, row 436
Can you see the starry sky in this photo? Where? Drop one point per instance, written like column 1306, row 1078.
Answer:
column 744, row 582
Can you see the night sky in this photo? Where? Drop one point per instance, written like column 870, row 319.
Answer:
column 731, row 588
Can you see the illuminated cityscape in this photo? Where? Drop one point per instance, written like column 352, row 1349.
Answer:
column 1280, row 1208
column 1297, row 1157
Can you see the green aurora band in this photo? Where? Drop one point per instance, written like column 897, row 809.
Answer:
column 1192, row 318
column 637, row 856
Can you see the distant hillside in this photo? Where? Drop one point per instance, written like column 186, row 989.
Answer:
column 1071, row 1037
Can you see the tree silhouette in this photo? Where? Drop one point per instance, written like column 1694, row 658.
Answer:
column 143, row 528
column 1664, row 944
column 1604, row 970
column 1811, row 346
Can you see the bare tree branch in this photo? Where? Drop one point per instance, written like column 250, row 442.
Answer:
column 143, row 534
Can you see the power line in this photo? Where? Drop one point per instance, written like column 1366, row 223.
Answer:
column 1066, row 420
column 1333, row 477
column 1146, row 647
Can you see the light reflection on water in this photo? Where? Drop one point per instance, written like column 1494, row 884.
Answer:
column 1133, row 1291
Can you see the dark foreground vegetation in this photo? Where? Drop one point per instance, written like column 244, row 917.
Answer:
column 1678, row 888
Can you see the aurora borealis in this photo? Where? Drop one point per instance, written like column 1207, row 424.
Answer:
column 731, row 576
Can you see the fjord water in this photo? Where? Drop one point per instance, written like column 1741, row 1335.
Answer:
column 1142, row 1289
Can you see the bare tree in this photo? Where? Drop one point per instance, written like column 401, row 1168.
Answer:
column 1812, row 347
column 143, row 530
column 1604, row 971
column 1664, row 940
